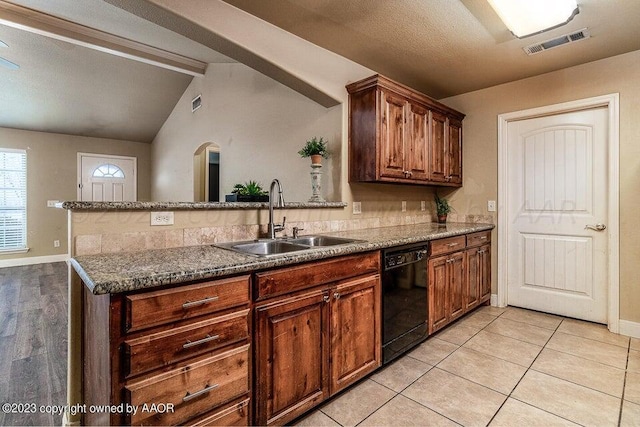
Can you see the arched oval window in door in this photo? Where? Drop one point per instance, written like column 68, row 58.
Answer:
column 108, row 170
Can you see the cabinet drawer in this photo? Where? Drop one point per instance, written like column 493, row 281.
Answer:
column 480, row 238
column 236, row 414
column 193, row 389
column 443, row 246
column 296, row 278
column 166, row 347
column 158, row 307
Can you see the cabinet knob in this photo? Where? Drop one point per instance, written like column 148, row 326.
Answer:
column 326, row 298
column 336, row 295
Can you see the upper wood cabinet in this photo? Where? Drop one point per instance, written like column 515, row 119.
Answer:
column 402, row 136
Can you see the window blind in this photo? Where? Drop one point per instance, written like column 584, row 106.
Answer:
column 13, row 199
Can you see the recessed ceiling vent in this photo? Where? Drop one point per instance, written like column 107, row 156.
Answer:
column 196, row 103
column 558, row 41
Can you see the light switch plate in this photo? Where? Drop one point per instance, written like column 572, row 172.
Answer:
column 423, row 205
column 357, row 208
column 404, row 206
column 52, row 203
column 491, row 205
column 161, row 218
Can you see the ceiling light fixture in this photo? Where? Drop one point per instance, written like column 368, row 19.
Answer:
column 528, row 17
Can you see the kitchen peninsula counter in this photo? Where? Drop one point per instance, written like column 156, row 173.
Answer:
column 130, row 271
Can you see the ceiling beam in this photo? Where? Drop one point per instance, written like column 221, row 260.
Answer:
column 31, row 20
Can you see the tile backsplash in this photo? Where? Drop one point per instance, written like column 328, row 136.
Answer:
column 112, row 242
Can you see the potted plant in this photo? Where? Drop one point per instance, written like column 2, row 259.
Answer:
column 248, row 192
column 316, row 149
column 442, row 208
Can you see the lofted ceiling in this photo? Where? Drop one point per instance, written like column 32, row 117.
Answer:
column 66, row 88
column 440, row 47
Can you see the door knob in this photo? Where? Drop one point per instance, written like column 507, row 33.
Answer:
column 597, row 227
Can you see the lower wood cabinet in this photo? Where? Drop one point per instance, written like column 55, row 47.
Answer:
column 179, row 355
column 446, row 289
column 459, row 270
column 314, row 343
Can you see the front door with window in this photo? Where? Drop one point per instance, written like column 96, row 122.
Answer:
column 106, row 178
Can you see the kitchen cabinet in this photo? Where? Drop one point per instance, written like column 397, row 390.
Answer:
column 459, row 277
column 479, row 269
column 324, row 336
column 398, row 135
column 183, row 353
column 446, row 282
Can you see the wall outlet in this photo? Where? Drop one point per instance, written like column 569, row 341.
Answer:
column 404, row 206
column 491, row 205
column 357, row 208
column 56, row 243
column 423, row 205
column 52, row 203
column 161, row 218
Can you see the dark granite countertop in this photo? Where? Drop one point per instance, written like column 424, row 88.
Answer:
column 115, row 273
column 166, row 206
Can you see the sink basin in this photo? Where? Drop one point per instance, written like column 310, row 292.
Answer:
column 268, row 247
column 321, row 241
column 265, row 247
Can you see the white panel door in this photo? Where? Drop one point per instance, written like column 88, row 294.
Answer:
column 556, row 185
column 107, row 178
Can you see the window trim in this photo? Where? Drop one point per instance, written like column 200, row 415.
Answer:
column 25, row 248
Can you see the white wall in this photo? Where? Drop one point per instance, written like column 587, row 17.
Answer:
column 259, row 125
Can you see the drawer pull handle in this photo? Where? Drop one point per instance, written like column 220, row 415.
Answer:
column 453, row 244
column 205, row 390
column 483, row 238
column 336, row 295
column 326, row 298
column 208, row 338
column 190, row 304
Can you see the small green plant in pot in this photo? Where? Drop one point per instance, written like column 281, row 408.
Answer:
column 250, row 191
column 316, row 149
column 442, row 208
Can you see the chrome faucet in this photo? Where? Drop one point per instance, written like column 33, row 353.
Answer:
column 274, row 228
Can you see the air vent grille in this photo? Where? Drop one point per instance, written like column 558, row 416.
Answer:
column 558, row 41
column 196, row 103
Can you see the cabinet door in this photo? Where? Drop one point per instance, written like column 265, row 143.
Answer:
column 392, row 124
column 438, row 148
column 291, row 355
column 417, row 143
column 474, row 271
column 485, row 272
column 454, row 154
column 457, row 281
column 355, row 330
column 438, row 284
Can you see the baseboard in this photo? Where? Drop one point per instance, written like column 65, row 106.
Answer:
column 16, row 262
column 66, row 422
column 630, row 329
column 494, row 300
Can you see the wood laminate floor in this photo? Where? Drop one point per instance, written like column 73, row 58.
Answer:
column 33, row 341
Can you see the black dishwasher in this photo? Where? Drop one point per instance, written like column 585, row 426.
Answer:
column 404, row 299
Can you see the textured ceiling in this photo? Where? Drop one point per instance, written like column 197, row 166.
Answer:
column 65, row 88
column 447, row 47
column 440, row 47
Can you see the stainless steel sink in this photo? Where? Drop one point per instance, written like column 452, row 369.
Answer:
column 271, row 247
column 321, row 241
column 263, row 247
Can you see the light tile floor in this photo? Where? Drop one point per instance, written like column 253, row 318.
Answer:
column 500, row 367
